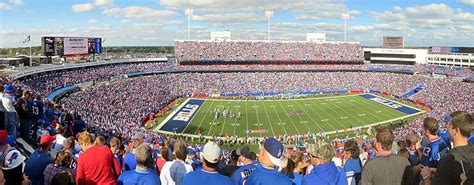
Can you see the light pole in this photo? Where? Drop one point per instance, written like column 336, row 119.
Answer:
column 28, row 39
column 345, row 16
column 189, row 12
column 269, row 15
column 103, row 43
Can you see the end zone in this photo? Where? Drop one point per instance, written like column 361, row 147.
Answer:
column 179, row 119
column 391, row 104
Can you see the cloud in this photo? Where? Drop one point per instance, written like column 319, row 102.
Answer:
column 16, row 2
column 92, row 21
column 229, row 18
column 4, row 6
column 139, row 12
column 304, row 9
column 103, row 2
column 431, row 16
column 132, row 35
column 82, row 7
column 467, row 2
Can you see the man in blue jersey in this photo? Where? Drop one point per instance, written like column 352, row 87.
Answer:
column 246, row 163
column 270, row 158
column 457, row 166
column 325, row 170
column 437, row 148
column 37, row 108
column 208, row 173
column 143, row 173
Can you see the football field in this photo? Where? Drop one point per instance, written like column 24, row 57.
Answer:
column 277, row 117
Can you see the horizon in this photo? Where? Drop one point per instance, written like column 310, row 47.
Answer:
column 155, row 23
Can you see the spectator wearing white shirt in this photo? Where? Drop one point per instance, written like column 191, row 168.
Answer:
column 174, row 171
column 8, row 101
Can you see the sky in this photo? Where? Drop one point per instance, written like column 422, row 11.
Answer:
column 160, row 22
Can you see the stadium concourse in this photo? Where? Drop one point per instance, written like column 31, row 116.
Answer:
column 96, row 136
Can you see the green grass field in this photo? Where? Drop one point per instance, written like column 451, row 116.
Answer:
column 295, row 116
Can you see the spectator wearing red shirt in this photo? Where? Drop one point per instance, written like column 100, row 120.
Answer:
column 97, row 165
column 161, row 159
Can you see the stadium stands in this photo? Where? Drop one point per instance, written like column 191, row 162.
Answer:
column 189, row 52
column 115, row 106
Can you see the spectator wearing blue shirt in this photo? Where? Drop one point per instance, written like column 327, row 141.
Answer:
column 437, row 148
column 208, row 174
column 79, row 125
column 143, row 173
column 247, row 165
column 38, row 161
column 270, row 158
column 353, row 166
column 324, row 171
column 129, row 158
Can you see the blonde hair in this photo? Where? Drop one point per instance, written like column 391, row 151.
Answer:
column 85, row 138
column 99, row 141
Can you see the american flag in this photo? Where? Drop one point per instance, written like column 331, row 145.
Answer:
column 27, row 39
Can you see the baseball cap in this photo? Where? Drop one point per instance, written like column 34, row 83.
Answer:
column 5, row 138
column 244, row 151
column 9, row 88
column 275, row 151
column 234, row 155
column 211, row 152
column 191, row 151
column 12, row 160
column 47, row 139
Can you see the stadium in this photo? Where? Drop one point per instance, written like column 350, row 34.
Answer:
column 308, row 103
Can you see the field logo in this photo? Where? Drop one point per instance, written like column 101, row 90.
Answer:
column 186, row 113
column 392, row 104
column 387, row 103
column 183, row 116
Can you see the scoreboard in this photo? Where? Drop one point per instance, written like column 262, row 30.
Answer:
column 70, row 46
column 448, row 50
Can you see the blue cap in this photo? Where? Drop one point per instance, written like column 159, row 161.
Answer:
column 447, row 118
column 9, row 88
column 275, row 149
column 191, row 151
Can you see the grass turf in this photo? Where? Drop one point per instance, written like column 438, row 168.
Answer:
column 294, row 116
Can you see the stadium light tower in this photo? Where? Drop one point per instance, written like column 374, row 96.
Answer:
column 189, row 12
column 269, row 15
column 345, row 16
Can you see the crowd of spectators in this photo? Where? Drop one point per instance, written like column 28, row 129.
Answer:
column 47, row 83
column 267, row 51
column 113, row 150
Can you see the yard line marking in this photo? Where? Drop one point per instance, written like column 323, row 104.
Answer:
column 278, row 116
column 202, row 120
column 258, row 120
column 210, row 128
column 271, row 127
column 283, row 107
column 310, row 117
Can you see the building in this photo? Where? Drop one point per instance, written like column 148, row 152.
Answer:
column 451, row 56
column 395, row 56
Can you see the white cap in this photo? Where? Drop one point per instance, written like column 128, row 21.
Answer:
column 12, row 160
column 211, row 152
